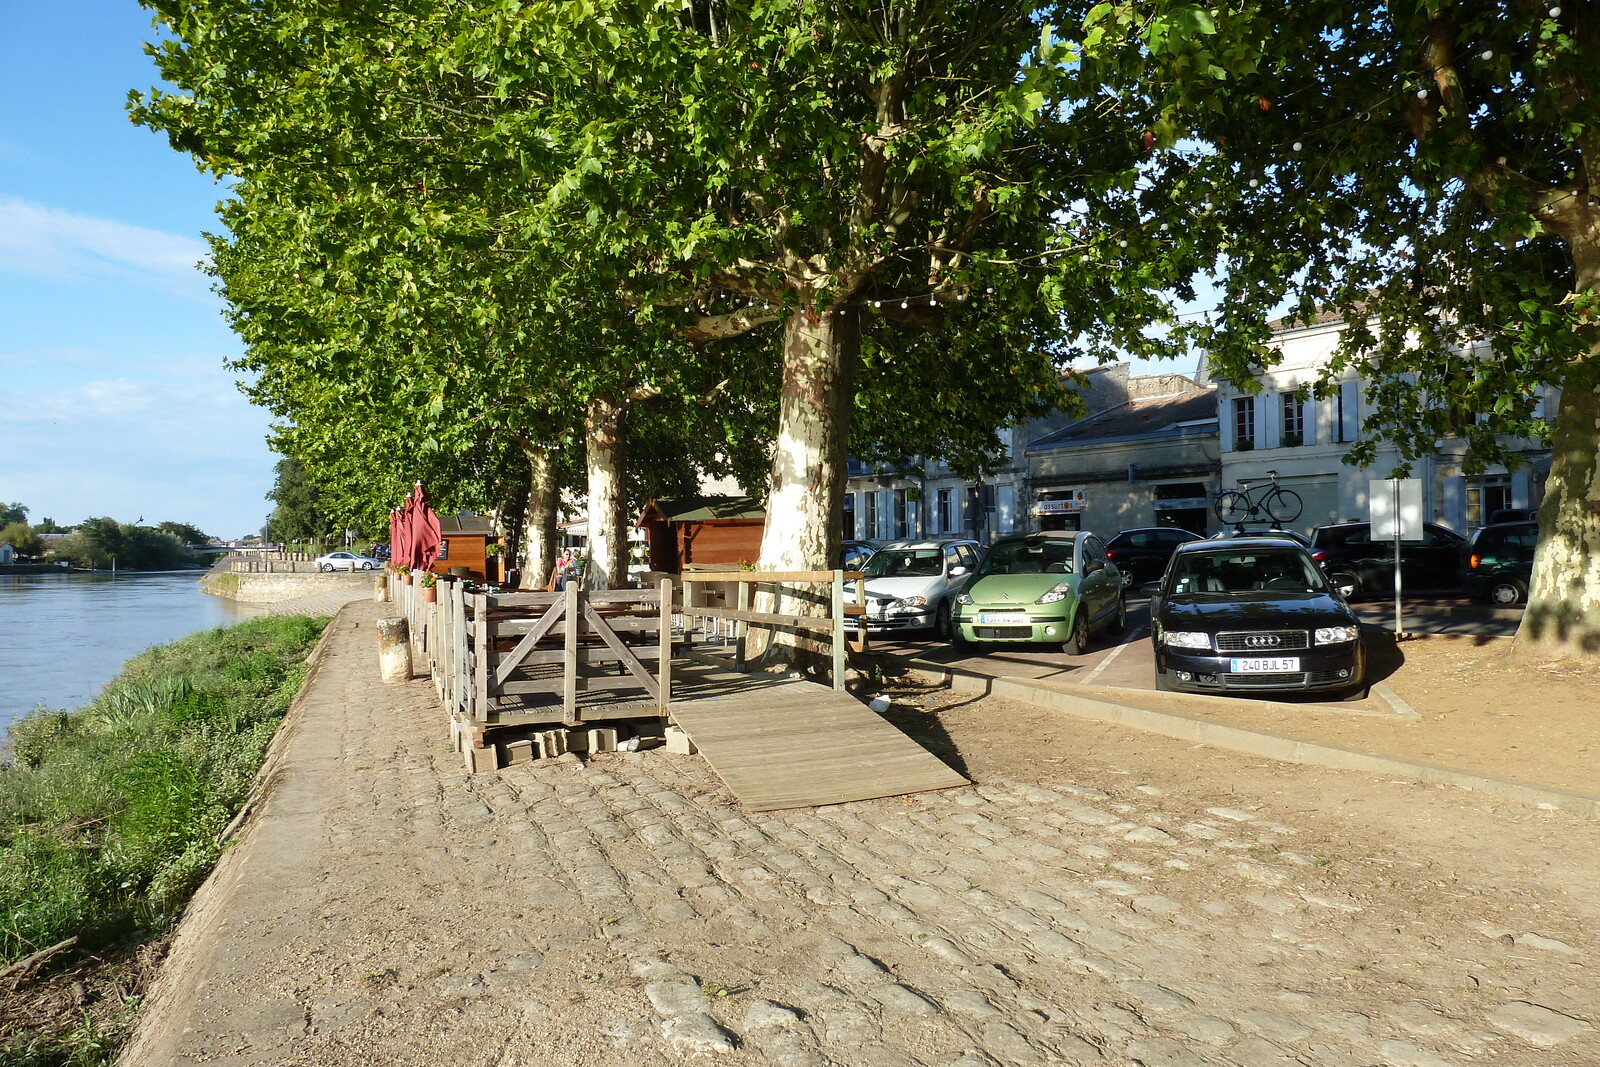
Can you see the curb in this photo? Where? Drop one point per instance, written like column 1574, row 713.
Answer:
column 1075, row 701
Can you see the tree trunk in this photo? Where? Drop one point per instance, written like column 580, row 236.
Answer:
column 540, row 548
column 605, row 565
column 1563, row 615
column 805, row 501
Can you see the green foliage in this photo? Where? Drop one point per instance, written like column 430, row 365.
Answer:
column 1416, row 169
column 13, row 513
column 98, row 542
column 22, row 537
column 109, row 815
column 189, row 535
column 299, row 515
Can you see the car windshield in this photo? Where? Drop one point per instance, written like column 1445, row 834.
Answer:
column 1028, row 557
column 905, row 563
column 1245, row 570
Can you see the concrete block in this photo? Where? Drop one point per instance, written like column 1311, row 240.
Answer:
column 518, row 752
column 680, row 742
column 482, row 759
column 602, row 739
column 394, row 650
column 552, row 743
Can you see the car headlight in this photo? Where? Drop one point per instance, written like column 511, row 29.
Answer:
column 910, row 602
column 963, row 598
column 1186, row 639
column 1335, row 635
column 1059, row 591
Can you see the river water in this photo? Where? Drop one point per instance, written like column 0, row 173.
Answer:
column 64, row 636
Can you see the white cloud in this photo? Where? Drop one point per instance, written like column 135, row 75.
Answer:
column 40, row 241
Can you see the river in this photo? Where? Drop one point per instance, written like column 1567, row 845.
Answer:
column 64, row 636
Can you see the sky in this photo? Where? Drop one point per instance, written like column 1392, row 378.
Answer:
column 114, row 394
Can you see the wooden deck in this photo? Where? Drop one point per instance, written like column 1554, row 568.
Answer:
column 788, row 744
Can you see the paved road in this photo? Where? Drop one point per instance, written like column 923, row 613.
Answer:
column 388, row 908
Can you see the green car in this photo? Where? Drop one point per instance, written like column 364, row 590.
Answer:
column 1055, row 587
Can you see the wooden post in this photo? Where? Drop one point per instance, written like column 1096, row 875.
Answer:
column 481, row 667
column 569, row 659
column 664, row 670
column 740, row 627
column 861, row 602
column 837, row 587
column 688, row 614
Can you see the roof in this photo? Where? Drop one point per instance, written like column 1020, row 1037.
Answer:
column 704, row 509
column 466, row 524
column 1137, row 418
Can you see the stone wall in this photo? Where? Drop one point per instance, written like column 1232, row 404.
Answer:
column 273, row 588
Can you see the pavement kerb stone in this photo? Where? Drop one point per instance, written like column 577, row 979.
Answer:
column 1078, row 701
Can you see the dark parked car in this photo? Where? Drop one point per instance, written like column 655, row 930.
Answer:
column 1497, row 562
column 1141, row 555
column 1253, row 615
column 1513, row 515
column 1357, row 565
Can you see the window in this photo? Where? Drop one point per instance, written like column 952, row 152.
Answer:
column 1485, row 496
column 901, row 529
column 870, row 528
column 1244, row 423
column 1294, row 421
column 942, row 512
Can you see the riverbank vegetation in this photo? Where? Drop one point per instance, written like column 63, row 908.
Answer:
column 111, row 816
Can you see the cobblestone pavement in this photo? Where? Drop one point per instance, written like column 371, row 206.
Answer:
column 388, row 908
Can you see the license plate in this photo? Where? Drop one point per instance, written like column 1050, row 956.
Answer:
column 1276, row 665
column 1003, row 618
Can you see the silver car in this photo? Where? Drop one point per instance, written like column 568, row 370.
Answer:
column 345, row 561
column 912, row 585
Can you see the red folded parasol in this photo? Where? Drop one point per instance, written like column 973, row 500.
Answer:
column 425, row 539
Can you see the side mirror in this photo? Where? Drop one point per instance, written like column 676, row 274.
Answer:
column 957, row 571
column 1150, row 588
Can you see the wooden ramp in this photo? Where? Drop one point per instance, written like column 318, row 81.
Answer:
column 792, row 744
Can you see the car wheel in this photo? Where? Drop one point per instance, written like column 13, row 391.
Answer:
column 1348, row 585
column 1121, row 625
column 1360, row 692
column 327, row 568
column 943, row 628
column 1506, row 593
column 1162, row 685
column 366, row 566
column 1078, row 643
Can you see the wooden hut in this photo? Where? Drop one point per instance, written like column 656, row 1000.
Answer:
column 464, row 543
column 703, row 531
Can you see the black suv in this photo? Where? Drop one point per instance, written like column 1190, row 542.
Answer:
column 1357, row 565
column 1497, row 562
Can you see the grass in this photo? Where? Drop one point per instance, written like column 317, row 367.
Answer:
column 110, row 815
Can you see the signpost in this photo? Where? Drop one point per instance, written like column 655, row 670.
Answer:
column 1395, row 510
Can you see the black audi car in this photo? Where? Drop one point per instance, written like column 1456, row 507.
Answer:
column 1253, row 615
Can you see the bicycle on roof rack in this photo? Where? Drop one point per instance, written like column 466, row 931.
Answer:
column 1268, row 501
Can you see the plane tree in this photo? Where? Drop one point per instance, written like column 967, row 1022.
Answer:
column 1429, row 173
column 820, row 171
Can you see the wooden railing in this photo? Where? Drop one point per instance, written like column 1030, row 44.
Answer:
column 743, row 586
column 516, row 664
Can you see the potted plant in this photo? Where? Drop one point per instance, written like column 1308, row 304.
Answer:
column 429, row 583
column 404, row 571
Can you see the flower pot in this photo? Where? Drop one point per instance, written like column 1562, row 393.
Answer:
column 430, row 594
column 410, row 579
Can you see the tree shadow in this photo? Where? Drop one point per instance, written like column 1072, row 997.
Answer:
column 909, row 711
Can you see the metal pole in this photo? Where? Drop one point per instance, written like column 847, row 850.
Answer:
column 1399, row 619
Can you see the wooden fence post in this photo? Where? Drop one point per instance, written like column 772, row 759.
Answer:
column 837, row 588
column 664, row 669
column 569, row 660
column 740, row 627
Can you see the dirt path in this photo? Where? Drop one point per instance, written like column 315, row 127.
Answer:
column 1098, row 897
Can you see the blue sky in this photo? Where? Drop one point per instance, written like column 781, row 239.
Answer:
column 114, row 398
